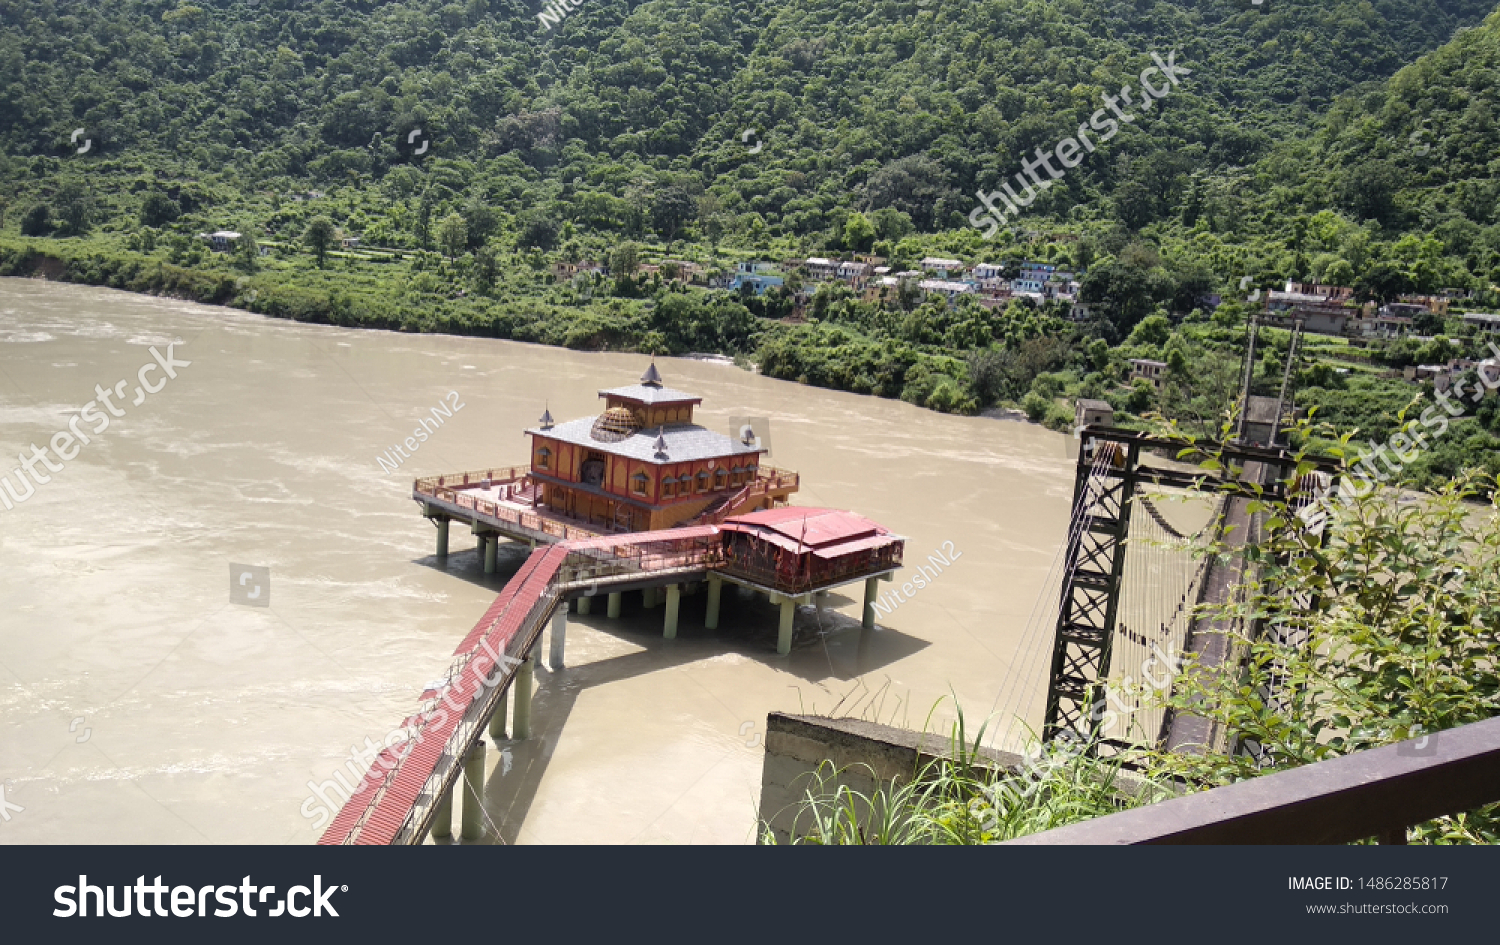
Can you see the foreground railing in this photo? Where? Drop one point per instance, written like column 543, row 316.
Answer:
column 1375, row 793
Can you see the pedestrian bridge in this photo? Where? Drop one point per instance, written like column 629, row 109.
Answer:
column 794, row 555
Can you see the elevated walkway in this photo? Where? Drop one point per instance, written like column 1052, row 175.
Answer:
column 408, row 789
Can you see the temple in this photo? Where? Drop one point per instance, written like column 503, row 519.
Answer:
column 643, row 464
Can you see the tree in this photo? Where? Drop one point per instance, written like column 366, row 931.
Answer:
column 624, row 259
column 911, row 184
column 37, row 220
column 247, row 252
column 1383, row 282
column 318, row 237
column 539, row 230
column 1135, row 206
column 1368, row 190
column 158, row 209
column 74, row 208
column 486, row 268
column 859, row 233
column 670, row 209
column 453, row 235
column 890, row 224
column 480, row 220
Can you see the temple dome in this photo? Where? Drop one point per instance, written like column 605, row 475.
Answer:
column 614, row 425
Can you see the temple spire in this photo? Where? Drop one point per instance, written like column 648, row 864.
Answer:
column 652, row 377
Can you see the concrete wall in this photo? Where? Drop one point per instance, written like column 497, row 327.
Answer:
column 863, row 756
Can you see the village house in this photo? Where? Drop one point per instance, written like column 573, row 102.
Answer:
column 942, row 267
column 1437, row 305
column 1332, row 293
column 223, row 241
column 1443, row 376
column 821, row 268
column 881, row 290
column 854, row 273
column 1318, row 314
column 1381, row 325
column 564, row 271
column 1146, row 369
column 756, row 275
column 1487, row 324
column 1088, row 413
column 952, row 290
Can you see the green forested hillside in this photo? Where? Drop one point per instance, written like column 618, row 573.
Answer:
column 1350, row 141
column 904, row 104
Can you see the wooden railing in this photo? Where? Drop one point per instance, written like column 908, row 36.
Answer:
column 766, row 481
column 1375, row 793
column 466, row 480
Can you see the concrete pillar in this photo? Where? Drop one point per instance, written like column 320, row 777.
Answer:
column 614, row 605
column 531, row 543
column 872, row 594
column 715, row 590
column 442, row 538
column 674, row 603
column 559, row 637
column 498, row 720
column 473, row 792
column 648, row 597
column 491, row 553
column 585, row 604
column 820, row 599
column 784, row 632
column 521, row 724
column 442, row 819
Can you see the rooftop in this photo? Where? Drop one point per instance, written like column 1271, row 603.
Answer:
column 651, row 394
column 685, row 442
column 825, row 532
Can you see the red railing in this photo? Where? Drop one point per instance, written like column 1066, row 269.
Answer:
column 397, row 798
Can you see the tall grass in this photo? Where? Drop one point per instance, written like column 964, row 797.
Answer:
column 963, row 798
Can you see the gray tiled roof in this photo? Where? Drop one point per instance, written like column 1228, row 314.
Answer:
column 686, row 442
column 651, row 395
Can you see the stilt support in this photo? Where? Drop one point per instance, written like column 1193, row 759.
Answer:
column 491, row 553
column 715, row 591
column 585, row 604
column 614, row 606
column 521, row 724
column 872, row 594
column 498, row 719
column 784, row 632
column 674, row 604
column 473, row 792
column 442, row 818
column 648, row 597
column 559, row 636
column 442, row 538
